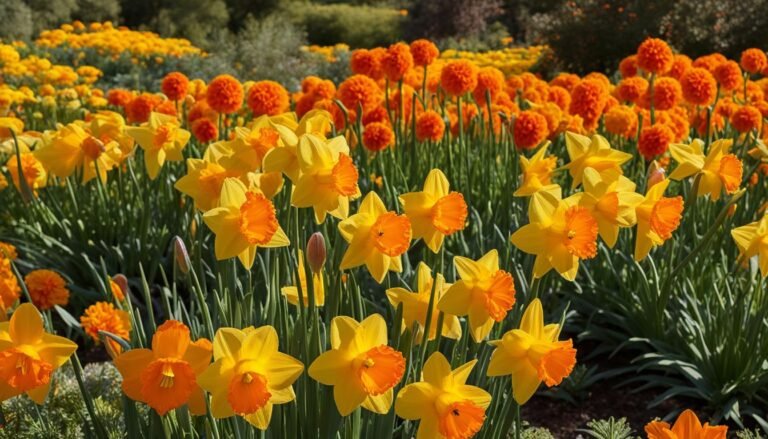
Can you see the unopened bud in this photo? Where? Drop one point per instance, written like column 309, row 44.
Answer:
column 316, row 252
column 189, row 100
column 119, row 287
column 656, row 174
column 182, row 257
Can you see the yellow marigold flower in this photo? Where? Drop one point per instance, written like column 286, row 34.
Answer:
column 328, row 178
column 657, row 218
column 162, row 139
column 34, row 173
column 103, row 316
column 435, row 212
column 285, row 159
column 249, row 375
column 537, row 172
column 8, row 251
column 291, row 293
column 416, row 305
column 720, row 170
column 165, row 377
column 594, row 153
column 47, row 289
column 29, row 355
column 444, row 404
column 376, row 237
column 687, row 426
column 560, row 233
column 752, row 240
column 485, row 293
column 532, row 354
column 244, row 221
column 611, row 199
column 9, row 285
column 73, row 148
column 360, row 365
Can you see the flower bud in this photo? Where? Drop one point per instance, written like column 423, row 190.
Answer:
column 316, row 252
column 121, row 282
column 182, row 257
column 656, row 174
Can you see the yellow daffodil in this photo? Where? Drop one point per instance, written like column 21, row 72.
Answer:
column 205, row 178
column 536, row 172
column 161, row 138
column 752, row 240
column 611, row 199
column 73, row 148
column 34, row 172
column 10, row 124
column 29, row 355
column 292, row 293
column 249, row 375
column 595, row 153
column 485, row 293
column 245, row 220
column 435, row 212
column 444, row 404
column 719, row 169
column 657, row 218
column 360, row 366
column 109, row 126
column 560, row 233
column 285, row 158
column 532, row 354
column 250, row 145
column 416, row 305
column 687, row 426
column 376, row 237
column 328, row 178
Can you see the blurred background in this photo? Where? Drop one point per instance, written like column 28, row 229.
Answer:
column 264, row 37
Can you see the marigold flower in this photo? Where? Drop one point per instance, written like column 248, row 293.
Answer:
column 657, row 218
column 588, row 100
column 632, row 88
column 654, row 140
column 360, row 365
column 139, row 109
column 559, row 96
column 424, row 52
column 377, row 238
column 225, row 94
column 359, row 91
column 249, row 375
column 244, row 221
column 378, row 114
column 397, row 61
column 728, row 75
column 667, row 93
column 175, row 86
column 687, row 426
column 435, row 212
column 268, row 97
column 8, row 251
column 490, row 80
column 699, row 86
column 680, row 65
column 532, row 354
column 655, row 56
column 165, row 377
column 205, row 130
column 747, row 118
column 621, row 121
column 103, row 316
column 628, row 66
column 753, row 60
column 530, row 129
column 378, row 136
column 566, row 80
column 444, row 404
column 47, row 289
column 458, row 77
column 429, row 126
column 365, row 62
column 720, row 170
column 119, row 97
column 29, row 355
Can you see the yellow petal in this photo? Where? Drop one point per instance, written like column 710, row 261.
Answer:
column 525, row 381
column 26, row 326
column 380, row 403
column 348, row 395
column 437, row 371
column 331, row 367
column 413, row 400
column 436, row 184
column 282, row 370
column 343, row 330
column 456, row 300
column 372, row 333
column 227, row 342
column 533, row 319
column 260, row 419
column 232, row 193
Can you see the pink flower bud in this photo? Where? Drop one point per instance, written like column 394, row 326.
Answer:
column 316, row 252
column 181, row 254
column 656, row 174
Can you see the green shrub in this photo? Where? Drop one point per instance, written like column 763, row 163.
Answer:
column 357, row 26
column 18, row 13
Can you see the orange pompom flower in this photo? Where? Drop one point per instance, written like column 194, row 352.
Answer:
column 377, row 136
column 628, row 66
column 205, row 130
column 530, row 129
column 753, row 60
column 424, row 52
column 666, row 93
column 359, row 90
column 680, row 65
column 655, row 56
column 268, row 97
column 728, row 75
column 47, row 289
column 139, row 108
column 225, row 94
column 365, row 62
column 119, row 97
column 489, row 80
column 458, row 77
column 378, row 114
column 103, row 316
column 699, row 86
column 175, row 86
column 746, row 119
column 654, row 140
column 397, row 61
column 430, row 126
column 632, row 88
column 588, row 100
column 622, row 121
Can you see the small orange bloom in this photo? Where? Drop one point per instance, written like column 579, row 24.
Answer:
column 268, row 97
column 655, row 56
column 728, row 75
column 632, row 88
column 588, row 100
column 225, row 94
column 687, row 426
column 103, row 316
column 430, row 126
column 397, row 61
column 424, row 52
column 175, row 86
column 458, row 77
column 530, row 129
column 205, row 130
column 753, row 60
column 699, row 86
column 359, row 90
column 377, row 136
column 47, row 288
column 654, row 140
column 628, row 66
column 365, row 62
column 747, row 118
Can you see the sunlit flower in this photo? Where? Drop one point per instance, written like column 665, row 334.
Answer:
column 444, row 404
column 34, row 173
column 103, row 316
column 536, row 172
column 377, row 136
column 657, row 218
column 204, row 179
column 752, row 240
column 595, row 153
column 747, row 118
column 654, row 140
column 458, row 77
column 430, row 126
column 175, row 85
column 47, row 288
column 29, row 355
column 654, row 56
column 435, row 212
column 244, row 221
column 720, row 169
column 532, row 354
column 72, row 148
column 162, row 139
column 284, row 158
column 484, row 292
column 359, row 91
column 360, row 366
column 268, row 97
column 699, row 86
column 728, row 75
column 424, row 52
column 249, row 375
column 224, row 94
column 687, row 426
column 397, row 61
column 530, row 129
column 165, row 377
column 754, row 60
